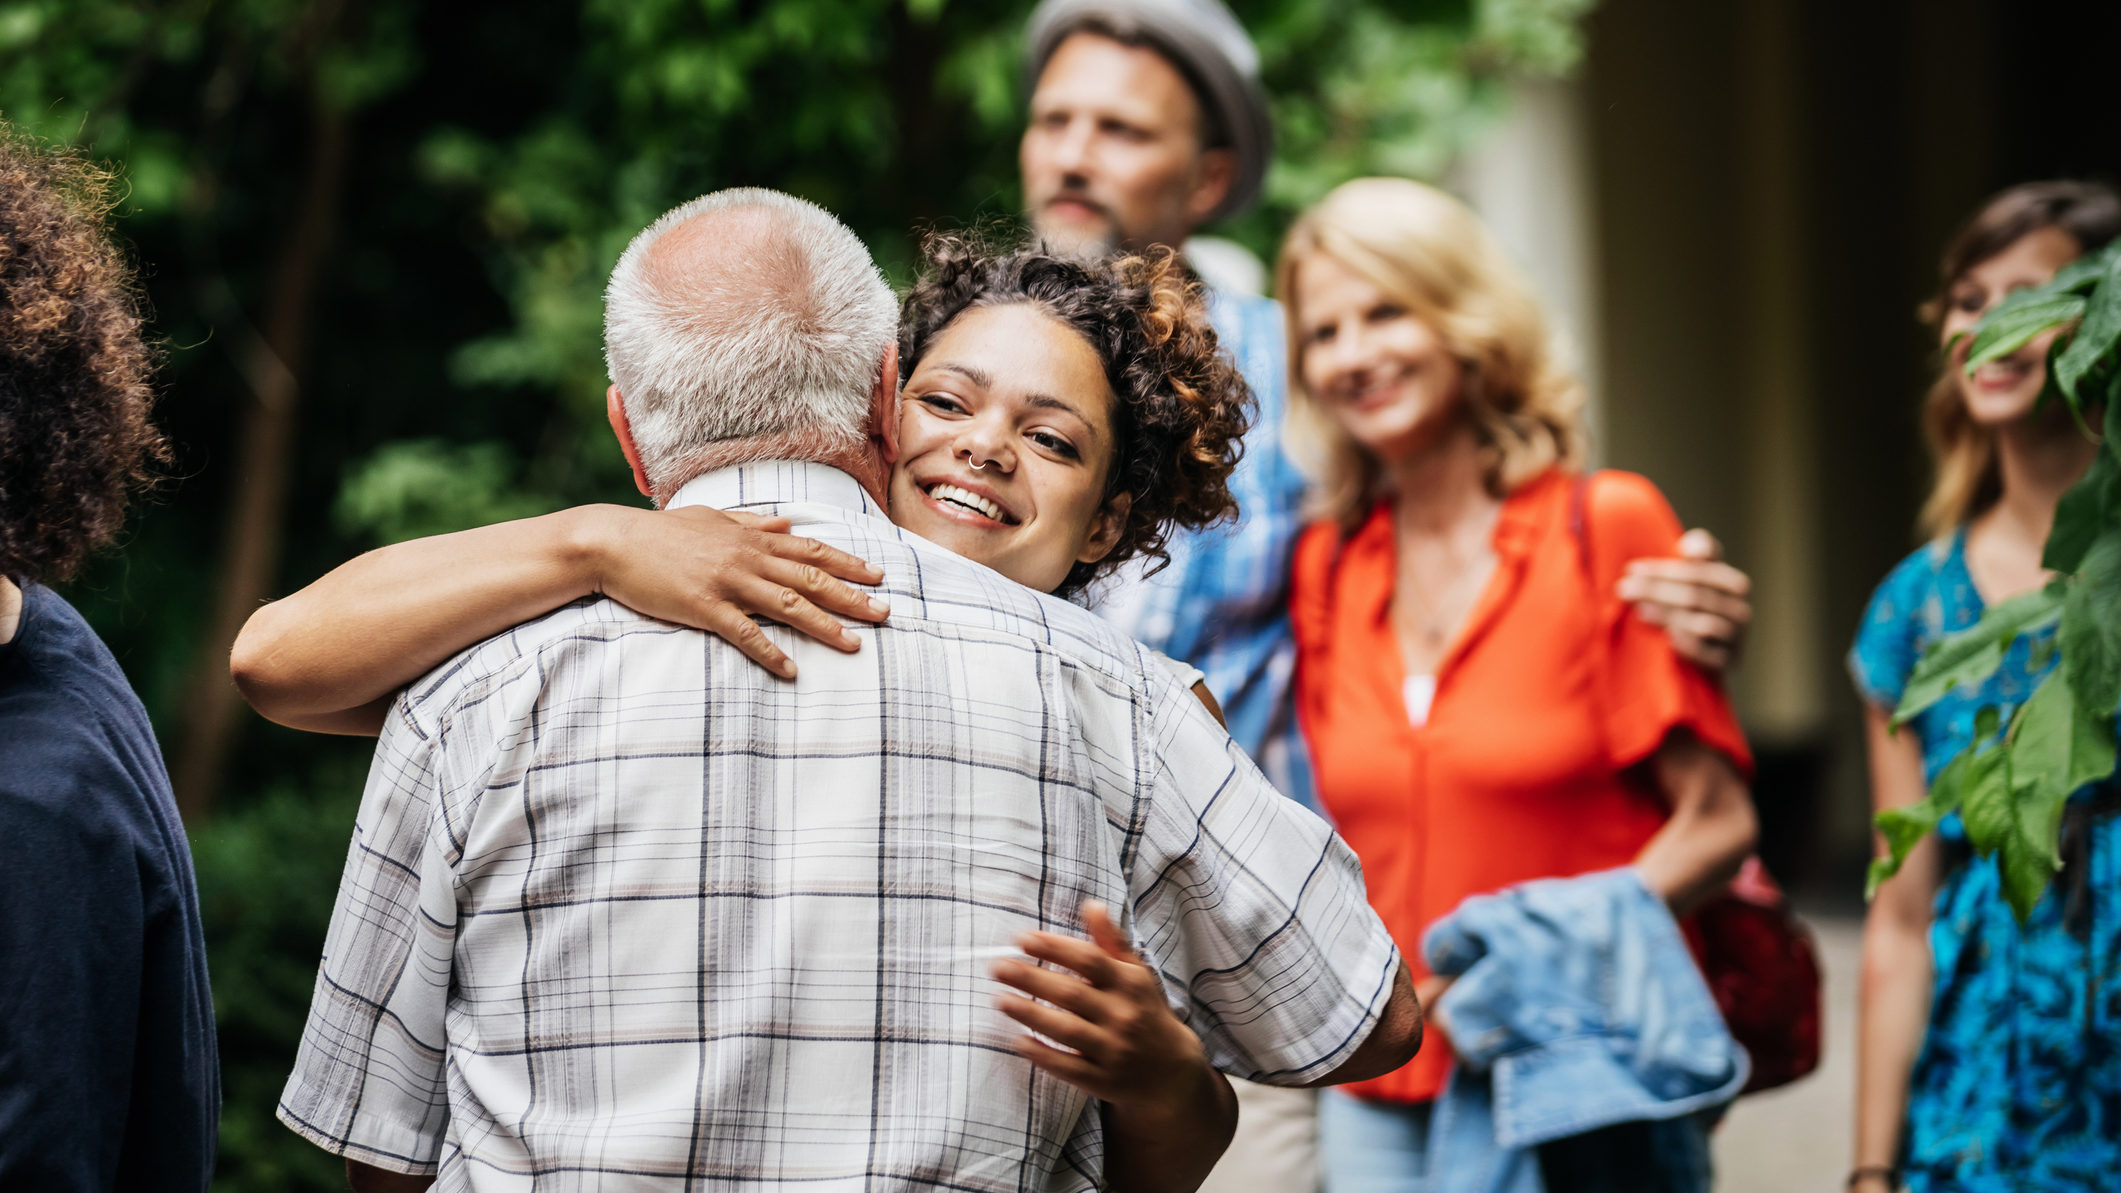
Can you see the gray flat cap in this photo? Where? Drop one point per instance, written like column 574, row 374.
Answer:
column 1209, row 47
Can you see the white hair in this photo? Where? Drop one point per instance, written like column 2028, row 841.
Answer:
column 773, row 350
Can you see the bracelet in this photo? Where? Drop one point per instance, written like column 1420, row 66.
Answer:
column 1887, row 1173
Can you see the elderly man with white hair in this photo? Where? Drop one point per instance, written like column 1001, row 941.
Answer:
column 625, row 910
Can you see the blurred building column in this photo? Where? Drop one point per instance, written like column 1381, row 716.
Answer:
column 1530, row 179
column 1782, row 682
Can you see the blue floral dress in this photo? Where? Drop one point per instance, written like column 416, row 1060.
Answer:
column 2018, row 1085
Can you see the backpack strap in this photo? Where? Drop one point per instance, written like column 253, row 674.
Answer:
column 1580, row 523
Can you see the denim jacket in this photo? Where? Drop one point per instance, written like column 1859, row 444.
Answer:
column 1576, row 1006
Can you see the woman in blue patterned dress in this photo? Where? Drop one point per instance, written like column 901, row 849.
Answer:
column 1989, row 1052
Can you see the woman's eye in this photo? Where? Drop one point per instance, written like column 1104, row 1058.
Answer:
column 1972, row 302
column 1055, row 444
column 942, row 403
column 1321, row 335
column 1385, row 312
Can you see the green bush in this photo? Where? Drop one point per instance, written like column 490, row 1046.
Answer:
column 268, row 872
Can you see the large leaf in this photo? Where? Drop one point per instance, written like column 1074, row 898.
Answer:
column 2084, row 513
column 2018, row 820
column 2095, row 337
column 2012, row 821
column 2017, row 320
column 1904, row 827
column 1986, row 804
column 2028, row 859
column 2090, row 634
column 1973, row 654
column 2056, row 746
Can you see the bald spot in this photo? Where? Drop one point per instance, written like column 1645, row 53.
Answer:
column 734, row 263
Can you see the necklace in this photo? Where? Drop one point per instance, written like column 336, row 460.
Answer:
column 1462, row 550
column 1431, row 620
column 1427, row 617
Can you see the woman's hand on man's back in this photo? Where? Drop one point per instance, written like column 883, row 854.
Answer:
column 715, row 571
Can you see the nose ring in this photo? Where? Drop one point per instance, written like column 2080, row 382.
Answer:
column 977, row 467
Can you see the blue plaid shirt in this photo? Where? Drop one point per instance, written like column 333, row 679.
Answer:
column 1223, row 603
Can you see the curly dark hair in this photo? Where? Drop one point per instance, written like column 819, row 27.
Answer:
column 74, row 371
column 1183, row 407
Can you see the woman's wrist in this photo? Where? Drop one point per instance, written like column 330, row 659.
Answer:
column 1195, row 1097
column 581, row 545
column 1873, row 1178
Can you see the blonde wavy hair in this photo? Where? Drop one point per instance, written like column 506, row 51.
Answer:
column 1430, row 253
column 1967, row 478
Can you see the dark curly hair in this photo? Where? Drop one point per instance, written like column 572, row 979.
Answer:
column 74, row 371
column 1183, row 407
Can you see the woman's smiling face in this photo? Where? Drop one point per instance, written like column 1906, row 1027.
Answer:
column 2004, row 391
column 1006, row 445
column 1385, row 375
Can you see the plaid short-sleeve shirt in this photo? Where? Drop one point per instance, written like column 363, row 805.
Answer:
column 623, row 909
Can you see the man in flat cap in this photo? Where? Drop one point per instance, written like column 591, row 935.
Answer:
column 1148, row 122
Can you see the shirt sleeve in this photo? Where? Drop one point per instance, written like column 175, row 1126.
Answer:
column 1253, row 910
column 1887, row 641
column 368, row 1081
column 1186, row 674
column 1649, row 690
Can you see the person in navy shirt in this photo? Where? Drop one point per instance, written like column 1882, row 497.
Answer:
column 109, row 1078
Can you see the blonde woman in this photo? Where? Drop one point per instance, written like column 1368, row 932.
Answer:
column 1990, row 1051
column 1482, row 709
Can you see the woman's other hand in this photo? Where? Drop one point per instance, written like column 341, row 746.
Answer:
column 1129, row 1049
column 715, row 571
column 1430, row 991
column 1701, row 601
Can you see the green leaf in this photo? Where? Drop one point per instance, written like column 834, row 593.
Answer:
column 1987, row 807
column 2016, row 320
column 2028, row 860
column 2055, row 747
column 1904, row 828
column 2083, row 513
column 2085, row 272
column 2090, row 633
column 1973, row 654
column 2095, row 337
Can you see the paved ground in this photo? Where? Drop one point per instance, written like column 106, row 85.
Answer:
column 1796, row 1139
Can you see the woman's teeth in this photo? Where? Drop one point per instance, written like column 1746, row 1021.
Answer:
column 971, row 501
column 2003, row 372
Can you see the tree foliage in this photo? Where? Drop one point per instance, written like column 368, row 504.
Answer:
column 2011, row 785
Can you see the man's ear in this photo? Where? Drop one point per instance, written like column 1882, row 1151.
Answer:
column 883, row 415
column 1104, row 534
column 615, row 410
column 1218, row 172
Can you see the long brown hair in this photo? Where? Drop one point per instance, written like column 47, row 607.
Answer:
column 1967, row 480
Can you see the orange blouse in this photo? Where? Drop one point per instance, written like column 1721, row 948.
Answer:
column 1545, row 705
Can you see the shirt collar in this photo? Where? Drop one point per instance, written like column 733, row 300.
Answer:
column 776, row 482
column 1528, row 508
